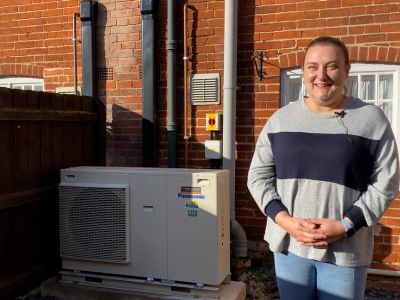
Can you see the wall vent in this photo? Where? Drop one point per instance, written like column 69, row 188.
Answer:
column 105, row 74
column 205, row 89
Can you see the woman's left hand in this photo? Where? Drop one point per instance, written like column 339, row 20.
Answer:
column 331, row 228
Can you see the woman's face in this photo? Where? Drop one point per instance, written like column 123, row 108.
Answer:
column 325, row 74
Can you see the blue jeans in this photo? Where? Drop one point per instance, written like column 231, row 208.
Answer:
column 306, row 279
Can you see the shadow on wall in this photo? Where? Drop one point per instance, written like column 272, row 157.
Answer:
column 124, row 137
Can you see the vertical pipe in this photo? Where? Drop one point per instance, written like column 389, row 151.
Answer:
column 75, row 59
column 171, row 86
column 88, row 15
column 185, row 65
column 148, row 83
column 238, row 235
column 229, row 119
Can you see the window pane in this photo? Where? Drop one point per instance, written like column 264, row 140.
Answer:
column 352, row 86
column 386, row 86
column 17, row 86
column 38, row 88
column 294, row 89
column 367, row 87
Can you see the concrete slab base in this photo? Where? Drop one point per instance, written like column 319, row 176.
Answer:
column 132, row 291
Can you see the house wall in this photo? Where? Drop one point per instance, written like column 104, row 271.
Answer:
column 36, row 40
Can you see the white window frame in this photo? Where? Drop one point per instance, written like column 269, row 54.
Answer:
column 22, row 83
column 383, row 69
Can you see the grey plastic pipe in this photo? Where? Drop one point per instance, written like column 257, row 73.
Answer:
column 171, row 84
column 238, row 235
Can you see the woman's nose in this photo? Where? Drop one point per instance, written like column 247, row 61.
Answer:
column 321, row 73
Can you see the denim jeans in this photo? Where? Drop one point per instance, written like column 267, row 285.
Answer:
column 305, row 279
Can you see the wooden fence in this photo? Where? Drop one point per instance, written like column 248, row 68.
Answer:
column 40, row 133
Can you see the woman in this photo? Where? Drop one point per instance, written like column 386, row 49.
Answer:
column 324, row 171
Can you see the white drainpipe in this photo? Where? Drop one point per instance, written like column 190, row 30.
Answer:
column 238, row 236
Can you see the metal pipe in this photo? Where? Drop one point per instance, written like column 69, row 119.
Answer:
column 75, row 59
column 171, row 85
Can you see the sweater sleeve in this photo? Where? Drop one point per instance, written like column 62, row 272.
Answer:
column 261, row 179
column 383, row 187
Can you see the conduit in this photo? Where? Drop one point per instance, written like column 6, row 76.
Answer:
column 238, row 236
column 171, row 85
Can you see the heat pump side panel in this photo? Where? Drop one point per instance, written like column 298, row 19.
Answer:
column 193, row 220
column 149, row 225
column 223, row 206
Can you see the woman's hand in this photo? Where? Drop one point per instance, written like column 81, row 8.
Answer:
column 305, row 232
column 331, row 228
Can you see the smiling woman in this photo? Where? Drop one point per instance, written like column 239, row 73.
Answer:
column 326, row 69
column 324, row 171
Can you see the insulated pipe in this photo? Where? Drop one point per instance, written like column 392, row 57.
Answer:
column 238, row 235
column 171, row 86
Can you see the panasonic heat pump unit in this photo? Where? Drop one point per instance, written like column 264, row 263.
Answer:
column 167, row 224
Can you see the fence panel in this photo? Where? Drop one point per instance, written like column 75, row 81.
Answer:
column 40, row 133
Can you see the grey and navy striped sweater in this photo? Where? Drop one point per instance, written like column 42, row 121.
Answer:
column 326, row 166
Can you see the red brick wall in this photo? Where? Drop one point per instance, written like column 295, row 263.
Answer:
column 119, row 50
column 36, row 40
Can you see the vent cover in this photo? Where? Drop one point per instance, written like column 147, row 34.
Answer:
column 204, row 89
column 105, row 74
column 94, row 223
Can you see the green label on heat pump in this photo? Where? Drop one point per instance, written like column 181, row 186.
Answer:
column 192, row 213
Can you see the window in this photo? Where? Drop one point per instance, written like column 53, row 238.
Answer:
column 373, row 83
column 22, row 83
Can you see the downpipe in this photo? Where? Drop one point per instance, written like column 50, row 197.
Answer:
column 238, row 235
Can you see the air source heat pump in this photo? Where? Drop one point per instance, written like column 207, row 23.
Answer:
column 167, row 224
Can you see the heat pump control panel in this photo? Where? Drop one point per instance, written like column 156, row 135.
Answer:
column 167, row 224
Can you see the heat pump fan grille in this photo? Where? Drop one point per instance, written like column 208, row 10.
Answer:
column 94, row 224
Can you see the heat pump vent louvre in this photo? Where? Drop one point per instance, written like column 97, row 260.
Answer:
column 94, row 223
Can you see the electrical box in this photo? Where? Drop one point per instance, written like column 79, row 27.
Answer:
column 213, row 149
column 166, row 224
